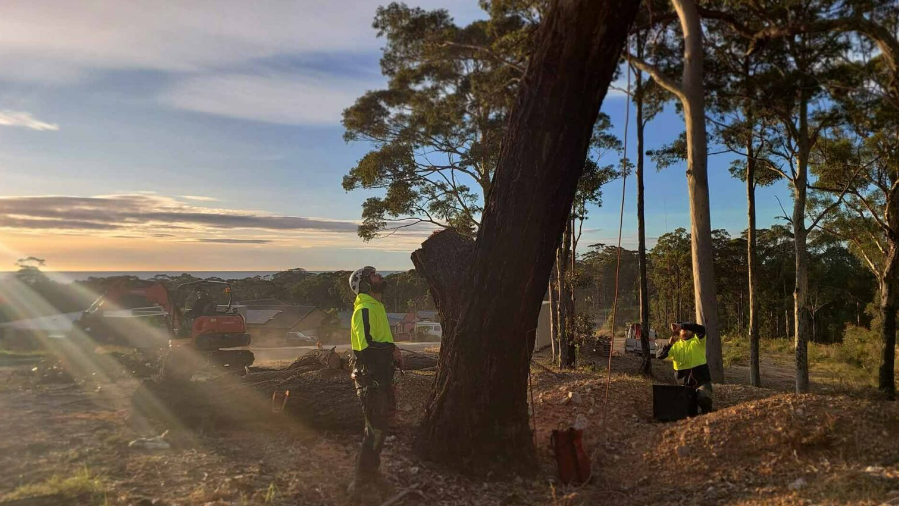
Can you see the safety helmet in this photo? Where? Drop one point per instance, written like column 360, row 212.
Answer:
column 359, row 279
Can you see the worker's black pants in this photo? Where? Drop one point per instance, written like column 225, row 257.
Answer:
column 374, row 385
column 703, row 391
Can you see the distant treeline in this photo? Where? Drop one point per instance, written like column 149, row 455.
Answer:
column 30, row 293
column 840, row 289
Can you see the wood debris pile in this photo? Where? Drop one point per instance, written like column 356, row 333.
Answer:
column 320, row 394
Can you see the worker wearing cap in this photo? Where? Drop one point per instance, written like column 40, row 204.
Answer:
column 686, row 349
column 375, row 355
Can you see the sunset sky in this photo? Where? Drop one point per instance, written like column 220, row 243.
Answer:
column 205, row 135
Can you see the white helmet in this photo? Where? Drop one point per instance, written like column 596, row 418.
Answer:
column 359, row 279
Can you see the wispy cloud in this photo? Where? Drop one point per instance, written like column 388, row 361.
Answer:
column 294, row 99
column 61, row 42
column 25, row 120
column 199, row 198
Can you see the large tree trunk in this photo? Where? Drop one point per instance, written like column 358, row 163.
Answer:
column 704, row 289
column 646, row 366
column 886, row 378
column 800, row 236
column 477, row 414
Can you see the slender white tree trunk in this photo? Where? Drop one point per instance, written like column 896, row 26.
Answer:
column 704, row 289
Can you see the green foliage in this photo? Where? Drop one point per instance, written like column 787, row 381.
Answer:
column 326, row 290
column 670, row 154
column 437, row 127
column 670, row 272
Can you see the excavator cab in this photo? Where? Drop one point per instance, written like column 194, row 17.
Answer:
column 206, row 326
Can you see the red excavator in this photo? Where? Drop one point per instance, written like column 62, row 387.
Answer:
column 197, row 326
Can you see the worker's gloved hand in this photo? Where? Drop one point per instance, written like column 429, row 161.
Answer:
column 398, row 357
column 676, row 327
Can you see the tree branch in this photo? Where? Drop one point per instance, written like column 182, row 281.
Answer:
column 836, row 202
column 885, row 40
column 488, row 51
column 858, row 245
column 657, row 75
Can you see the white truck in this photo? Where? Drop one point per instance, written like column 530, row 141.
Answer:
column 429, row 329
column 632, row 342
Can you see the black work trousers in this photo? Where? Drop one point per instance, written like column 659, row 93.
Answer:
column 373, row 374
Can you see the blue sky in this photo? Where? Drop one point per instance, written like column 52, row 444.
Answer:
column 205, row 135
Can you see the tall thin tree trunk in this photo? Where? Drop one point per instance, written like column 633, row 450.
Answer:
column 800, row 237
column 704, row 289
column 566, row 343
column 561, row 316
column 886, row 377
column 646, row 366
column 572, row 293
column 755, row 378
column 553, row 315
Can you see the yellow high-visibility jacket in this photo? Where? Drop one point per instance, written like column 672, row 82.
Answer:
column 688, row 354
column 370, row 326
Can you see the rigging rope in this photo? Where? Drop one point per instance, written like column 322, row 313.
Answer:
column 624, row 171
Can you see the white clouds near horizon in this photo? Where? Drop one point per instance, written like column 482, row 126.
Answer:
column 155, row 217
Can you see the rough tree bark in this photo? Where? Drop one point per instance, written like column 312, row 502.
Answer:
column 477, row 414
column 691, row 93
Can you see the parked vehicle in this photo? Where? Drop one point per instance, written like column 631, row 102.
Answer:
column 193, row 327
column 632, row 342
column 429, row 329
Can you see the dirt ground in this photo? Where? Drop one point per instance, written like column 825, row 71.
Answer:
column 68, row 443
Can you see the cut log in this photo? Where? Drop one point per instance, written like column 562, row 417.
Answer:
column 328, row 358
column 415, row 361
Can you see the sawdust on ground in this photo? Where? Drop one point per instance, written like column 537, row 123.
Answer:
column 761, row 446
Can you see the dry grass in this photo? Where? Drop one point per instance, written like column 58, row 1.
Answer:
column 81, row 483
